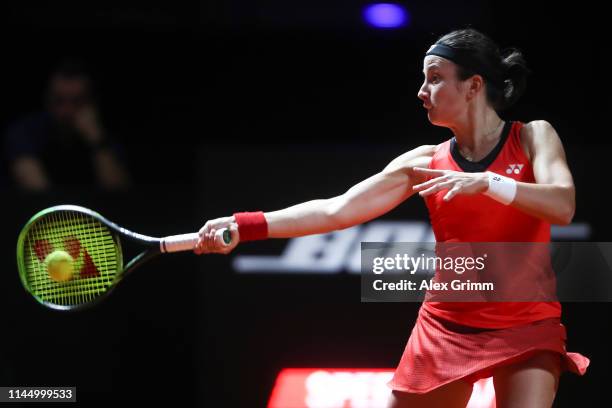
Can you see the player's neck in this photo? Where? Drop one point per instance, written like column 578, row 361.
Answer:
column 478, row 133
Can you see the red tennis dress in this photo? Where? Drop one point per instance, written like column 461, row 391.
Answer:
column 466, row 340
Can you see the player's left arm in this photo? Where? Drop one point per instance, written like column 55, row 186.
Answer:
column 553, row 196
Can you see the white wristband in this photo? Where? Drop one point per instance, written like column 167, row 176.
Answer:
column 501, row 188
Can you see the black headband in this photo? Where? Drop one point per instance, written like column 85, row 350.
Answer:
column 467, row 60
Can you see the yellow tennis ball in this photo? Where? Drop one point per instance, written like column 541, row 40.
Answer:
column 60, row 266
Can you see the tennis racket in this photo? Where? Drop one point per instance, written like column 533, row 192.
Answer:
column 70, row 257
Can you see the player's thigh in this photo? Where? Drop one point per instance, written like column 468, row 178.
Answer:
column 452, row 395
column 531, row 383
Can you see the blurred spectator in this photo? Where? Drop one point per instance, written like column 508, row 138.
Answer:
column 65, row 144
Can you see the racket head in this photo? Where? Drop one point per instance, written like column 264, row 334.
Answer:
column 93, row 247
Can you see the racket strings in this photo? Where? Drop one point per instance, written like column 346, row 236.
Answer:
column 92, row 246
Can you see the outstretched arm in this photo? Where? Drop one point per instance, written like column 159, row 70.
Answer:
column 364, row 201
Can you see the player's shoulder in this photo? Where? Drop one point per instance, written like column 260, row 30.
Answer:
column 539, row 135
column 418, row 157
column 423, row 151
column 537, row 131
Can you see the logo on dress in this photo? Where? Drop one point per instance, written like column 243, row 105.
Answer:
column 514, row 168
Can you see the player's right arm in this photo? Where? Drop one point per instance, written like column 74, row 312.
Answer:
column 364, row 201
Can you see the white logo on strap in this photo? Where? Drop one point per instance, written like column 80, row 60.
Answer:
column 514, row 168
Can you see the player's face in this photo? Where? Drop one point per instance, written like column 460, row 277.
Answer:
column 442, row 93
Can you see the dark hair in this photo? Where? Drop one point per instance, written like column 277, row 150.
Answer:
column 509, row 66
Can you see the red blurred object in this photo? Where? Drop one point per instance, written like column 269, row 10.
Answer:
column 349, row 388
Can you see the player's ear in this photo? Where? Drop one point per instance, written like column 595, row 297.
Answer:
column 475, row 84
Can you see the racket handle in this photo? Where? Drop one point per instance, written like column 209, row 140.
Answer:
column 188, row 242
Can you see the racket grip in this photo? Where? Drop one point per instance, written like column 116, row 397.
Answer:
column 188, row 242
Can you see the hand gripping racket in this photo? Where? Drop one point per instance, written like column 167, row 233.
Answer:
column 70, row 257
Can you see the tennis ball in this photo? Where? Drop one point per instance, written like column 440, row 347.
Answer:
column 60, row 266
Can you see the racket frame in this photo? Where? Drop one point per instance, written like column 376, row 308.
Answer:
column 152, row 250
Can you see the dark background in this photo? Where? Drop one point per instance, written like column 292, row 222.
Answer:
column 227, row 106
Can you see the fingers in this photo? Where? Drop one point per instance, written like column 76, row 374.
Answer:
column 205, row 228
column 452, row 192
column 211, row 240
column 201, row 246
column 423, row 186
column 429, row 172
column 446, row 180
column 205, row 243
column 437, row 187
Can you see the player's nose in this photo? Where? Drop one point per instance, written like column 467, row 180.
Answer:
column 422, row 95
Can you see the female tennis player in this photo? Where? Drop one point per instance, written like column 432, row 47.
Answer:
column 494, row 181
